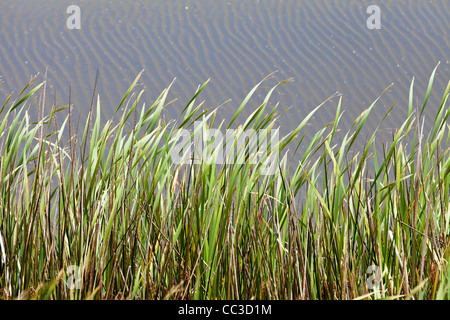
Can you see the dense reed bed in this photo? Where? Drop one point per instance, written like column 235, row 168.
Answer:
column 104, row 212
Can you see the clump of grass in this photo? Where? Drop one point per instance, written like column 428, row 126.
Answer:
column 111, row 202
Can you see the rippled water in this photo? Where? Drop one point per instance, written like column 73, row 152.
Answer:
column 324, row 45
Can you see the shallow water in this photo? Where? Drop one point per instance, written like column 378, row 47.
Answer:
column 324, row 45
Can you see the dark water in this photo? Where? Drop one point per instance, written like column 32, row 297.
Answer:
column 324, row 45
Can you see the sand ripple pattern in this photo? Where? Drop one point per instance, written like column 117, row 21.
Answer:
column 324, row 45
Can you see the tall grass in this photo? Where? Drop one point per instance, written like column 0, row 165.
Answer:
column 342, row 223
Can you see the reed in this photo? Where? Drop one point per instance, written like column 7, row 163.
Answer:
column 344, row 222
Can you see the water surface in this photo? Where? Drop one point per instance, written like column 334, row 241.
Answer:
column 324, row 45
